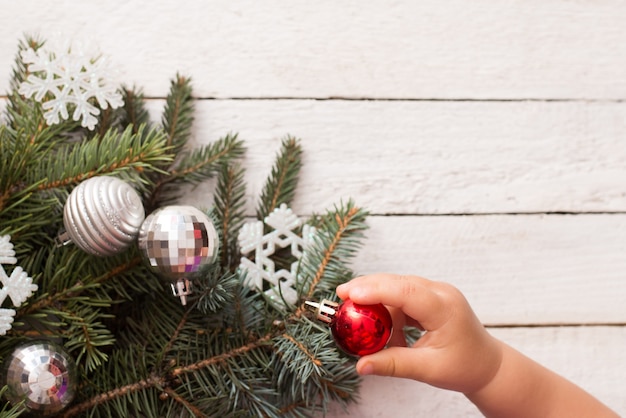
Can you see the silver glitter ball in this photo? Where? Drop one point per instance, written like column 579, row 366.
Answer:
column 103, row 215
column 177, row 240
column 43, row 375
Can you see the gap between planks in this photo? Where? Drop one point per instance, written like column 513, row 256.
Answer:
column 557, row 325
column 388, row 99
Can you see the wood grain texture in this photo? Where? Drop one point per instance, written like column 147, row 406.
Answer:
column 531, row 269
column 592, row 357
column 434, row 157
column 376, row 49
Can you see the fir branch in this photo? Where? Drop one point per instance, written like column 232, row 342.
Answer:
column 113, row 119
column 343, row 384
column 233, row 377
column 337, row 241
column 215, row 290
column 306, row 364
column 161, row 382
column 83, row 306
column 281, row 185
column 301, row 347
column 36, row 177
column 202, row 163
column 78, row 324
column 188, row 405
column 81, row 408
column 220, row 358
column 194, row 167
column 230, row 212
column 25, row 117
column 176, row 333
column 236, row 360
column 46, row 301
column 70, row 269
column 135, row 113
column 112, row 154
column 249, row 311
column 106, row 121
column 22, row 150
column 118, row 270
column 85, row 334
column 178, row 114
column 25, row 216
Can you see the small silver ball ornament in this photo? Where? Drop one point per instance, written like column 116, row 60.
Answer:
column 43, row 375
column 177, row 240
column 102, row 216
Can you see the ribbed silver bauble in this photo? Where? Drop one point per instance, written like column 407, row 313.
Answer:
column 103, row 215
column 177, row 241
column 43, row 375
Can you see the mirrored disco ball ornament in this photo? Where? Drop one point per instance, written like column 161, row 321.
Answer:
column 102, row 216
column 43, row 375
column 177, row 241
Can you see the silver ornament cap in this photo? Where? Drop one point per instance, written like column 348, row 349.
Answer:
column 102, row 216
column 43, row 375
column 176, row 241
column 325, row 311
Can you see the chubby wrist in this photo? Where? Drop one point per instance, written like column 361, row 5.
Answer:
column 490, row 368
column 496, row 395
column 520, row 387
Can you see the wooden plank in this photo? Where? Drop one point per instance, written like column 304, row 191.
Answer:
column 433, row 157
column 531, row 269
column 592, row 357
column 430, row 157
column 375, row 49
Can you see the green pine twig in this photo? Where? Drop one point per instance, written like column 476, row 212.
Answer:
column 193, row 167
column 280, row 186
column 230, row 212
column 203, row 162
column 135, row 112
column 178, row 114
column 324, row 265
column 113, row 154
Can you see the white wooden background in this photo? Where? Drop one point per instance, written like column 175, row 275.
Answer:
column 487, row 139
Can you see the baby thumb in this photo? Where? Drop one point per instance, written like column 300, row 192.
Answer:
column 393, row 361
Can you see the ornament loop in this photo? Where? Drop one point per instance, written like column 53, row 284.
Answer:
column 182, row 289
column 325, row 310
column 62, row 239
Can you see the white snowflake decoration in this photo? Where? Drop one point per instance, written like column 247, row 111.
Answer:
column 262, row 270
column 72, row 77
column 18, row 286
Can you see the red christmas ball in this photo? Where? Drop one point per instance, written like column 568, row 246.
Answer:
column 361, row 329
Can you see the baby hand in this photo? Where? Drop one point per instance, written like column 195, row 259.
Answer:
column 455, row 352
